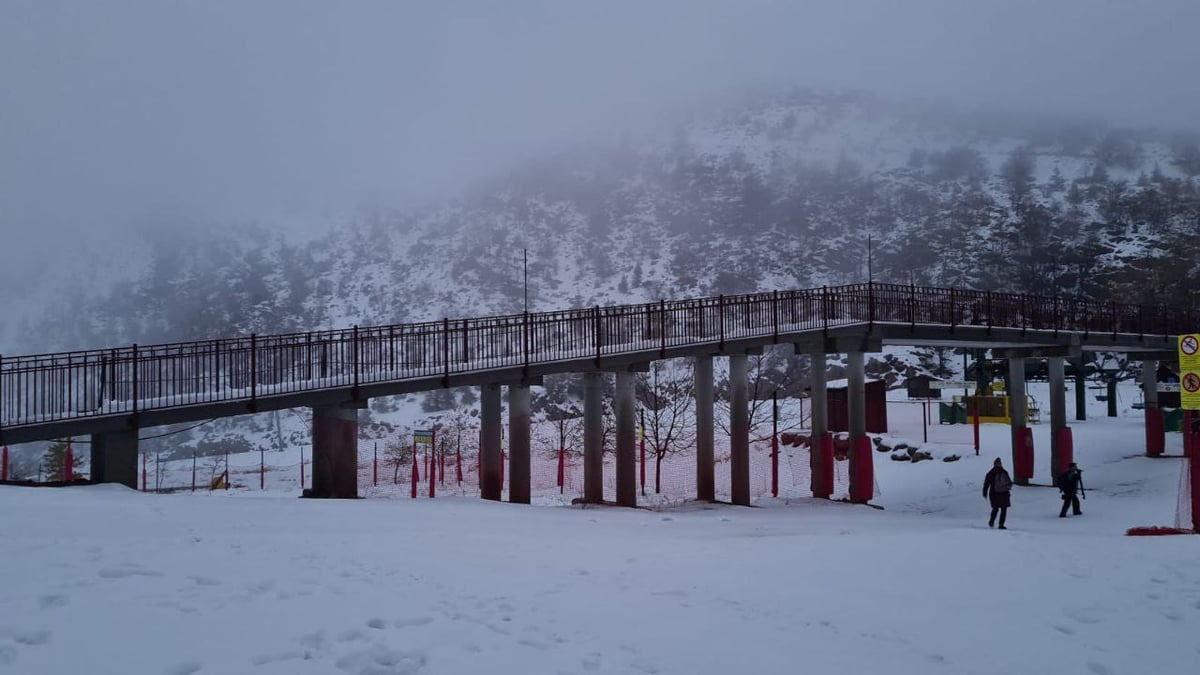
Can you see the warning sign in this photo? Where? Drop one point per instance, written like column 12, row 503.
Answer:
column 1189, row 371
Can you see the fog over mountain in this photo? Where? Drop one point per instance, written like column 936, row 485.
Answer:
column 118, row 118
column 185, row 171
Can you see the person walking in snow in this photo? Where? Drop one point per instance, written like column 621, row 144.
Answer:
column 1071, row 482
column 997, row 488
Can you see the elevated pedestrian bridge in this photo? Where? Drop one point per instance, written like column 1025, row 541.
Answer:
column 122, row 389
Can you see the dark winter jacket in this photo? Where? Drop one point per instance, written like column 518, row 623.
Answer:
column 1071, row 481
column 997, row 486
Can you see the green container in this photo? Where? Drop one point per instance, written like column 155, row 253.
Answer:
column 952, row 413
column 1172, row 419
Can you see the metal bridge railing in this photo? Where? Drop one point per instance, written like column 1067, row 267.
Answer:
column 127, row 380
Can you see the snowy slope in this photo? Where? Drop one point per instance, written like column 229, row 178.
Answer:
column 104, row 580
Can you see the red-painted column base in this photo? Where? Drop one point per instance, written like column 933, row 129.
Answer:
column 1023, row 455
column 1194, row 470
column 1189, row 437
column 822, row 483
column 862, row 481
column 1155, row 436
column 1066, row 450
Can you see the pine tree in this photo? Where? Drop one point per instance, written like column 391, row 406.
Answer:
column 55, row 460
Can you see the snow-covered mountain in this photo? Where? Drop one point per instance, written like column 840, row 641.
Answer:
column 780, row 192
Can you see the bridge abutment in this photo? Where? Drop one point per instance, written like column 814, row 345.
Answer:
column 518, row 444
column 335, row 452
column 739, row 431
column 491, row 471
column 593, row 438
column 115, row 457
column 820, row 449
column 706, row 487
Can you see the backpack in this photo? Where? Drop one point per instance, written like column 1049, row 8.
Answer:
column 1001, row 483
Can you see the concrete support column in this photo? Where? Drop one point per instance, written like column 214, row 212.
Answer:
column 115, row 458
column 593, row 438
column 626, row 414
column 1156, row 439
column 335, row 452
column 1080, row 390
column 1022, row 461
column 491, row 473
column 1149, row 378
column 1058, row 414
column 821, row 484
column 856, row 394
column 739, row 431
column 706, row 489
column 518, row 444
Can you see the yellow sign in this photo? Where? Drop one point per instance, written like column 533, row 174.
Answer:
column 1189, row 371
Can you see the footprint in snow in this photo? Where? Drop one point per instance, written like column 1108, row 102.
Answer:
column 185, row 668
column 124, row 572
column 53, row 601
column 32, row 638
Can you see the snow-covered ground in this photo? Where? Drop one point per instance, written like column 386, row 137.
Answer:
column 107, row 580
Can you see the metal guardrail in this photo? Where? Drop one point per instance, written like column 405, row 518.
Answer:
column 45, row 388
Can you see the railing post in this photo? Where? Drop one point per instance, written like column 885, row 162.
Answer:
column 871, row 303
column 596, row 328
column 989, row 312
column 525, row 367
column 951, row 301
column 1141, row 322
column 1086, row 324
column 1023, row 314
column 135, row 380
column 662, row 328
column 466, row 340
column 1057, row 317
column 1113, row 310
column 253, row 372
column 775, row 316
column 825, row 309
column 354, row 356
column 721, row 320
column 446, row 352
column 912, row 307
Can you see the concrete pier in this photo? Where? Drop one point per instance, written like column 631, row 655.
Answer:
column 739, row 431
column 624, row 406
column 335, row 452
column 115, row 458
column 705, row 476
column 491, row 478
column 518, row 444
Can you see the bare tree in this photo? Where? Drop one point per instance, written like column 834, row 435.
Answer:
column 667, row 394
column 766, row 377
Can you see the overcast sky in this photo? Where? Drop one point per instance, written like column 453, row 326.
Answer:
column 122, row 112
